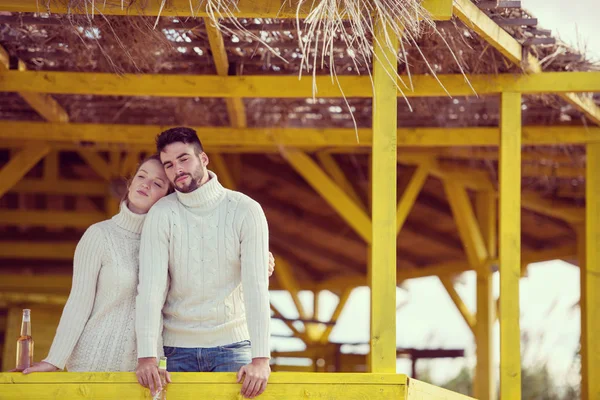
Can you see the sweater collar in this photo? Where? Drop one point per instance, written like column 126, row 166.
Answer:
column 129, row 220
column 206, row 196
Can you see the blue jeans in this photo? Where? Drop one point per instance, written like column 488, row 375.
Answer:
column 229, row 358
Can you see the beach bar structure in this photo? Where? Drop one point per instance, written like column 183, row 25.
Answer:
column 484, row 158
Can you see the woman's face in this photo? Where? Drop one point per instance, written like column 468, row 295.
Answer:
column 149, row 185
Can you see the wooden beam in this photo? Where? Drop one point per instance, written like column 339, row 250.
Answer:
column 235, row 106
column 224, row 139
column 43, row 104
column 61, row 186
column 263, row 86
column 222, row 170
column 343, row 299
column 337, row 174
column 410, row 195
column 484, row 386
column 510, row 245
column 20, row 164
column 556, row 209
column 590, row 281
column 467, row 314
column 467, row 225
column 439, row 9
column 53, row 219
column 100, row 166
column 326, row 187
column 38, row 250
column 382, row 275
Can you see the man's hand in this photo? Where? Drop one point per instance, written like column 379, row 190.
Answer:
column 148, row 375
column 271, row 263
column 41, row 367
column 255, row 375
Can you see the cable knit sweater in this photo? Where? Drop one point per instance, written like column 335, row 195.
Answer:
column 209, row 250
column 97, row 327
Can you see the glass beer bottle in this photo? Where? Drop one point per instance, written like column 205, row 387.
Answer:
column 25, row 343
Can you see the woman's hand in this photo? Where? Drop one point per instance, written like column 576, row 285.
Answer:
column 41, row 367
column 271, row 264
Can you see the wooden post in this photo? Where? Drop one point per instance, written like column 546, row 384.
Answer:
column 382, row 277
column 589, row 265
column 484, row 386
column 510, row 245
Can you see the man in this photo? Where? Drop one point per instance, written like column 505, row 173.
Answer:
column 203, row 262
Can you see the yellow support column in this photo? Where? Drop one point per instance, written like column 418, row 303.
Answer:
column 484, row 386
column 382, row 276
column 590, row 281
column 510, row 245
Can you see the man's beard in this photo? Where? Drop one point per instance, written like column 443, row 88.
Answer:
column 196, row 178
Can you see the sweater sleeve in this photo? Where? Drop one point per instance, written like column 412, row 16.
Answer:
column 153, row 281
column 86, row 268
column 254, row 240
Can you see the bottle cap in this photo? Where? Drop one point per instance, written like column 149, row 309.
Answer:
column 162, row 363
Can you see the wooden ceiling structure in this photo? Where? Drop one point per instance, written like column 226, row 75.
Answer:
column 77, row 110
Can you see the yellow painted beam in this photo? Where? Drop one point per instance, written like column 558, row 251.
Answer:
column 343, row 299
column 384, row 163
column 222, row 170
column 490, row 31
column 38, row 250
column 466, row 223
column 51, row 166
column 218, row 386
column 231, row 139
column 439, row 9
column 42, row 284
column 410, row 195
column 43, row 104
column 97, row 163
column 335, row 172
column 326, row 187
column 53, row 219
column 20, row 164
column 467, row 315
column 32, row 298
column 235, row 106
column 129, row 164
column 534, row 202
column 510, row 245
column 300, row 335
column 263, row 86
column 61, row 186
column 484, row 381
column 590, row 280
column 584, row 104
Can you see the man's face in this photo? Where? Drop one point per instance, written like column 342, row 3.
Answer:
column 184, row 169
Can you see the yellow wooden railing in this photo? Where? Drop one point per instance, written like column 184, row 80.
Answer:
column 216, row 386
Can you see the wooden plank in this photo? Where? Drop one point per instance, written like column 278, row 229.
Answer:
column 417, row 390
column 384, row 207
column 515, row 21
column 467, row 314
column 410, row 195
column 337, row 174
column 493, row 4
column 264, row 86
column 440, row 9
column 484, row 381
column 590, row 280
column 53, row 219
column 20, row 164
column 61, row 186
column 226, row 140
column 510, row 245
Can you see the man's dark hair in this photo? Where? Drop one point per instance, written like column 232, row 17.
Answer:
column 178, row 134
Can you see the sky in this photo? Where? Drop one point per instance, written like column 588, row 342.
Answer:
column 575, row 25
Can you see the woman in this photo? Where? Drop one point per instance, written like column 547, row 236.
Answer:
column 97, row 328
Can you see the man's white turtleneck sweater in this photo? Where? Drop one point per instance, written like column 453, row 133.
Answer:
column 206, row 252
